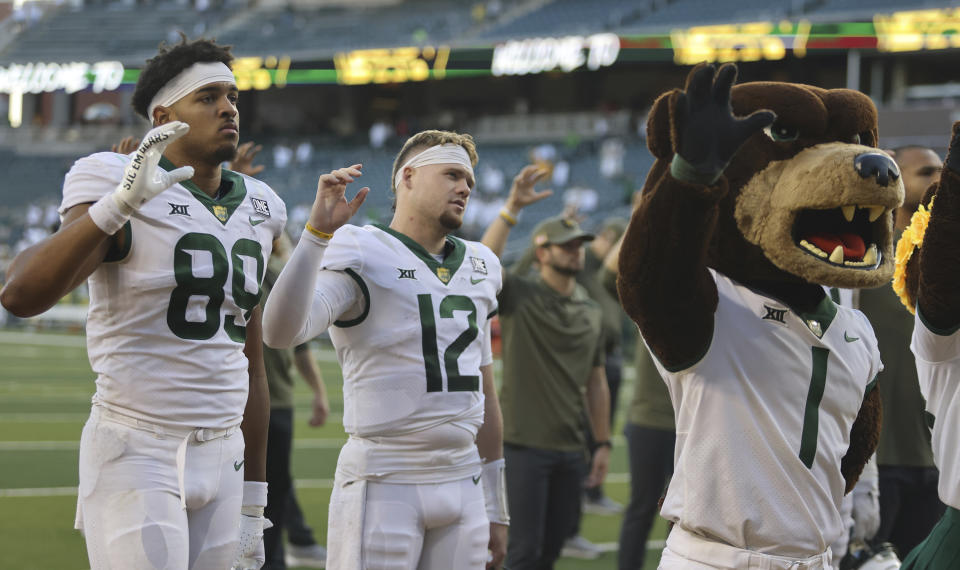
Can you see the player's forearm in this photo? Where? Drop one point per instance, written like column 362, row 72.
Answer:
column 490, row 436
column 288, row 309
column 306, row 365
column 256, row 419
column 42, row 274
column 598, row 404
column 256, row 414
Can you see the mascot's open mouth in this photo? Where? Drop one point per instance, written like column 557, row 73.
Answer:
column 846, row 236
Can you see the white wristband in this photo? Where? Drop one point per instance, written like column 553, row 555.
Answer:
column 495, row 491
column 109, row 215
column 254, row 498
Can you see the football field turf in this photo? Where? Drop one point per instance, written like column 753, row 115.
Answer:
column 45, row 390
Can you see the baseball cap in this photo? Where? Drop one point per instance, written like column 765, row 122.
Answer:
column 558, row 230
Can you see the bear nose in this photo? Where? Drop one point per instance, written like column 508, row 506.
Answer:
column 878, row 166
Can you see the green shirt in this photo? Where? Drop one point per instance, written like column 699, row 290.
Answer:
column 278, row 362
column 904, row 437
column 592, row 278
column 651, row 406
column 551, row 343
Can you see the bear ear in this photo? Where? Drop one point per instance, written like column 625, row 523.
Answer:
column 659, row 136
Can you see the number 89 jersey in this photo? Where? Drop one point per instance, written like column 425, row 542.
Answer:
column 411, row 360
column 166, row 325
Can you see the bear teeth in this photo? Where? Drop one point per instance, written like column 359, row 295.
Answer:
column 869, row 259
column 813, row 249
column 850, row 211
column 837, row 255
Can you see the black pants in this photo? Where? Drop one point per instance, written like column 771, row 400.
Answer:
column 543, row 489
column 279, row 483
column 909, row 505
column 651, row 465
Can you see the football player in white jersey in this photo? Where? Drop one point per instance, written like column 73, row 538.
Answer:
column 175, row 249
column 928, row 280
column 419, row 483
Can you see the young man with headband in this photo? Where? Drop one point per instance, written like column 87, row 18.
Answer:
column 175, row 249
column 419, row 483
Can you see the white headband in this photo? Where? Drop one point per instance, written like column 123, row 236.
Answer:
column 192, row 78
column 448, row 153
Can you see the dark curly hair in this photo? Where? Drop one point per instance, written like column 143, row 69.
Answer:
column 169, row 62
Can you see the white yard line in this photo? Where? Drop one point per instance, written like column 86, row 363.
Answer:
column 41, row 339
column 300, row 484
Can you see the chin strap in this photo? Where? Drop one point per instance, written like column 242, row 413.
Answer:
column 495, row 491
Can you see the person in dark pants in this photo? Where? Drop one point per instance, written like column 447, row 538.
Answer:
column 909, row 505
column 281, row 502
column 552, row 372
column 651, row 437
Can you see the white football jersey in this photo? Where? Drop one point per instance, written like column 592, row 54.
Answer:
column 763, row 421
column 938, row 368
column 166, row 325
column 411, row 361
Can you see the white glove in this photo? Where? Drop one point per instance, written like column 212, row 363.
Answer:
column 866, row 514
column 250, row 554
column 142, row 179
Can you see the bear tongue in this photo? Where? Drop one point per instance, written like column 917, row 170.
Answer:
column 853, row 246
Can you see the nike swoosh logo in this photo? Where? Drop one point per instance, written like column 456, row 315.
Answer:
column 475, row 281
column 238, row 465
column 476, row 480
column 849, row 338
column 254, row 221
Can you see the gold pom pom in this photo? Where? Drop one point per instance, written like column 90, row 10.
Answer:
column 911, row 240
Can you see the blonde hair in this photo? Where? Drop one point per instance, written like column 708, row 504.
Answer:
column 427, row 139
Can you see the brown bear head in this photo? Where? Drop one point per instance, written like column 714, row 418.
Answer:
column 810, row 198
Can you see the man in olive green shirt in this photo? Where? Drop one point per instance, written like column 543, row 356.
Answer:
column 553, row 356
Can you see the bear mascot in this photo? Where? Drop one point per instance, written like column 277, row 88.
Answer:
column 762, row 196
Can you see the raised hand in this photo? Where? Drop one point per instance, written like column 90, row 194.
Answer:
column 125, row 146
column 708, row 132
column 522, row 192
column 330, row 208
column 243, row 162
column 143, row 178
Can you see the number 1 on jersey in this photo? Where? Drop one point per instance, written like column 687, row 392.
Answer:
column 811, row 412
column 431, row 357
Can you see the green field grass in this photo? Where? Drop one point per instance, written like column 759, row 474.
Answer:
column 45, row 390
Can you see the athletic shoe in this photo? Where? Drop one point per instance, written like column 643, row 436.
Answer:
column 602, row 506
column 313, row 556
column 580, row 547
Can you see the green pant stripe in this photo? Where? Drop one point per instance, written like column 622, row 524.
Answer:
column 941, row 549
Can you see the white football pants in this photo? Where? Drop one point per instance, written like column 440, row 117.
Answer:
column 153, row 497
column 426, row 526
column 688, row 551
